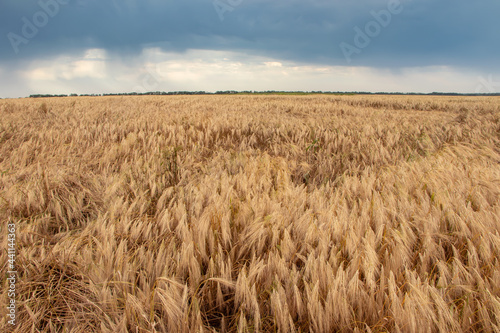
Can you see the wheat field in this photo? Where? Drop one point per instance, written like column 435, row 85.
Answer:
column 243, row 213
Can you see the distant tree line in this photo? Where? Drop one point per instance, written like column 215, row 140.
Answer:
column 268, row 92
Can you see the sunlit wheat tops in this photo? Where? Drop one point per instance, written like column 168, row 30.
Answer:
column 253, row 213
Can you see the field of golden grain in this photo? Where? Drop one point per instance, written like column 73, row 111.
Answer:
column 252, row 213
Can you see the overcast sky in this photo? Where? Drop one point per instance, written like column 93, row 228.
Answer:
column 106, row 46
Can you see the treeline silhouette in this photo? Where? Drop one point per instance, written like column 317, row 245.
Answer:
column 268, row 92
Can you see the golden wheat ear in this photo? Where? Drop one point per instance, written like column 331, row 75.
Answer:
column 251, row 214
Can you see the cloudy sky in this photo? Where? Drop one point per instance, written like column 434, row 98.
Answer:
column 107, row 46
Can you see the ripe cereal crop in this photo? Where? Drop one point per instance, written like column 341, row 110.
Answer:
column 315, row 213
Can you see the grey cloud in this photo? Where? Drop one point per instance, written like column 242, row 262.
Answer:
column 456, row 33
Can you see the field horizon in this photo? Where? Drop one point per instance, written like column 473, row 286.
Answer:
column 251, row 213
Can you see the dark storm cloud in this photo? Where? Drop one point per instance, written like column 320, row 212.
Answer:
column 424, row 33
